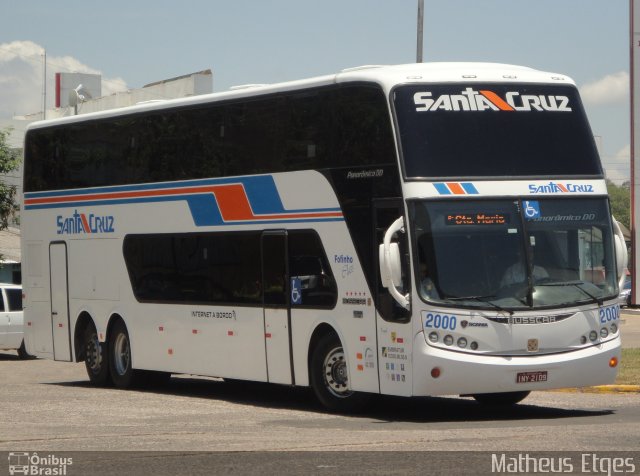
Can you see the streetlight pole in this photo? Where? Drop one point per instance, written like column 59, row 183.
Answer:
column 44, row 84
column 420, row 30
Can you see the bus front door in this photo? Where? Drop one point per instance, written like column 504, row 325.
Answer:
column 60, row 302
column 393, row 321
column 277, row 307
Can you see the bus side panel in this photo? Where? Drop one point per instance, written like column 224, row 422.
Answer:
column 93, row 269
column 217, row 341
column 37, row 306
column 353, row 317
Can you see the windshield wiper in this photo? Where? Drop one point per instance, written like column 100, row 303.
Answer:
column 577, row 285
column 483, row 299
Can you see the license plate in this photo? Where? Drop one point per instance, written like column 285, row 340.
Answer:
column 530, row 377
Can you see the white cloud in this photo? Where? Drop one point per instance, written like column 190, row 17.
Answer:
column 612, row 89
column 21, row 71
column 617, row 168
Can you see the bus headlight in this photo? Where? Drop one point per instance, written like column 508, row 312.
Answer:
column 583, row 340
column 614, row 328
column 462, row 342
column 433, row 337
column 593, row 336
column 604, row 332
column 474, row 345
column 448, row 339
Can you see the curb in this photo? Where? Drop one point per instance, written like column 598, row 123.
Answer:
column 602, row 389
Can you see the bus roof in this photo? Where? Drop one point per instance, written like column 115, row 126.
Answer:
column 385, row 76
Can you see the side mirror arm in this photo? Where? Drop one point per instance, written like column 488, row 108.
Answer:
column 621, row 252
column 386, row 260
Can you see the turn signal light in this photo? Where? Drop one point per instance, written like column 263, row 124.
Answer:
column 435, row 372
column 613, row 362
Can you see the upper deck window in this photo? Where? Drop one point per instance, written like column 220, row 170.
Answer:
column 494, row 130
column 312, row 129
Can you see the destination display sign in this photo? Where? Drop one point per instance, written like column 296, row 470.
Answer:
column 477, row 218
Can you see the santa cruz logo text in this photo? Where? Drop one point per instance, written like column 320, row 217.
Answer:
column 80, row 223
column 483, row 100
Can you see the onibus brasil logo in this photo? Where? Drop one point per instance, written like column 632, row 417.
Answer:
column 82, row 223
column 41, row 465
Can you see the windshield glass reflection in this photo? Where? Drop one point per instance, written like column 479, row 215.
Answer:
column 514, row 254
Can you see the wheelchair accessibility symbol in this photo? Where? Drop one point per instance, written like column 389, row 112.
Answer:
column 296, row 291
column 531, row 209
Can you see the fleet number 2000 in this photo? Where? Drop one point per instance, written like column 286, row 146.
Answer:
column 440, row 321
column 609, row 314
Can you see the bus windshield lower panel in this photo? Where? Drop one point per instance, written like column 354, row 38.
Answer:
column 514, row 254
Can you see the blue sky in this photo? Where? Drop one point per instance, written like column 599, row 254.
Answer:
column 137, row 42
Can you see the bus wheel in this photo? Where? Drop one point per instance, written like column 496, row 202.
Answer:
column 500, row 399
column 330, row 378
column 95, row 358
column 122, row 374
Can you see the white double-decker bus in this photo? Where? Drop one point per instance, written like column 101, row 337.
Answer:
column 424, row 229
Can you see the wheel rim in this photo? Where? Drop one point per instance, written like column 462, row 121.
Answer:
column 93, row 354
column 121, row 354
column 336, row 377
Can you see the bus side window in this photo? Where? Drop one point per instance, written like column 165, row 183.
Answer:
column 274, row 269
column 308, row 265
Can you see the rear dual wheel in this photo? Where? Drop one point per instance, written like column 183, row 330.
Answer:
column 95, row 358
column 120, row 363
column 122, row 373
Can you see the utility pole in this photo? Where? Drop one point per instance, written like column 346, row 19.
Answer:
column 420, row 30
column 44, row 84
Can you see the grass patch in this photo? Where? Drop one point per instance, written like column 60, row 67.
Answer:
column 629, row 371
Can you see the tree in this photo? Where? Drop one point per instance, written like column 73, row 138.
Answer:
column 9, row 161
column 620, row 197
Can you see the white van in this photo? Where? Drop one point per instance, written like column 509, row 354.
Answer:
column 11, row 319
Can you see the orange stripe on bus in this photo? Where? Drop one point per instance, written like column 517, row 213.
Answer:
column 497, row 100
column 456, row 188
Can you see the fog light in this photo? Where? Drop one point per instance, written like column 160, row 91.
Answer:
column 614, row 328
column 604, row 332
column 593, row 335
column 613, row 362
column 433, row 337
column 435, row 372
column 583, row 339
column 462, row 342
column 448, row 340
column 474, row 345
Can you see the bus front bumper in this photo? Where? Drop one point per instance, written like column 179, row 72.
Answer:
column 463, row 373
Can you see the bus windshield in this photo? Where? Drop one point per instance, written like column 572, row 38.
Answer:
column 488, row 130
column 514, row 254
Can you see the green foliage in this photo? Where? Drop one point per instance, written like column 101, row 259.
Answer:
column 620, row 197
column 9, row 161
column 629, row 370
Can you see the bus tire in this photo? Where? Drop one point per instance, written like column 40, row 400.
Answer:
column 330, row 379
column 96, row 359
column 122, row 374
column 501, row 399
